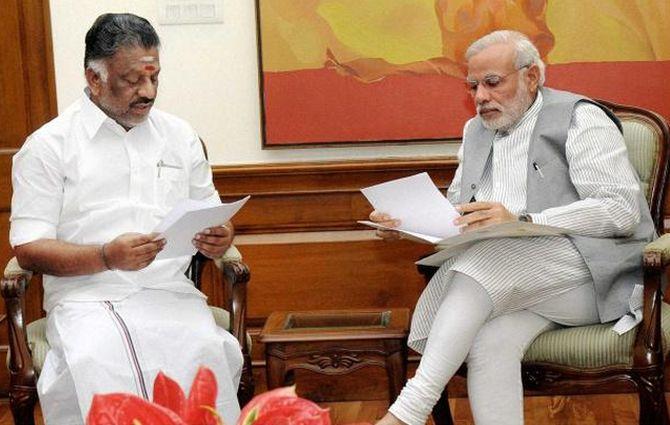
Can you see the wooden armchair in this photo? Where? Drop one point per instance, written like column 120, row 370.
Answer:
column 28, row 345
column 594, row 359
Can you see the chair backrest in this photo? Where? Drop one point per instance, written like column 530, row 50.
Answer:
column 647, row 138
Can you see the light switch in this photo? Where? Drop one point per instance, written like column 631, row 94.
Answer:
column 172, row 12
column 177, row 12
column 207, row 10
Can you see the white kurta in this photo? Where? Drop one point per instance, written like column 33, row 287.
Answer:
column 83, row 179
column 520, row 272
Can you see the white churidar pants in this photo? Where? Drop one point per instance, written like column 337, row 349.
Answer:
column 103, row 347
column 493, row 347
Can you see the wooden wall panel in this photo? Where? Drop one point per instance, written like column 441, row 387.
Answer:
column 332, row 275
column 315, row 196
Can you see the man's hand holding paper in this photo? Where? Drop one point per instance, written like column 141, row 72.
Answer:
column 194, row 225
column 414, row 205
column 213, row 242
column 387, row 221
column 477, row 215
column 131, row 251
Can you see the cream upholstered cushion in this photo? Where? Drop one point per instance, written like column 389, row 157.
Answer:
column 642, row 142
column 37, row 336
column 590, row 346
column 36, row 333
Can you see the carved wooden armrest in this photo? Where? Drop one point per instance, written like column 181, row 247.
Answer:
column 13, row 287
column 647, row 348
column 235, row 278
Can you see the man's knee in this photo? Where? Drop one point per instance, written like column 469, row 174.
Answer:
column 494, row 345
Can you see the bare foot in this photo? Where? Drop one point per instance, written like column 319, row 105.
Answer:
column 389, row 419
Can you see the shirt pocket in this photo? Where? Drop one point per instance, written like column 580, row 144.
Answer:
column 171, row 186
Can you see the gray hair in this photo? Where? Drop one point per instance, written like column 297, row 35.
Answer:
column 113, row 31
column 526, row 52
column 99, row 66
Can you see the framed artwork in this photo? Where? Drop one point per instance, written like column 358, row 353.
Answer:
column 377, row 71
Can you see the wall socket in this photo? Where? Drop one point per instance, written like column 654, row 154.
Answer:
column 178, row 12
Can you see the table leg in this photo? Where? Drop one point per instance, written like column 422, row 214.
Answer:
column 275, row 370
column 396, row 370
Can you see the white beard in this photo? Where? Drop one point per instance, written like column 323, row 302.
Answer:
column 509, row 115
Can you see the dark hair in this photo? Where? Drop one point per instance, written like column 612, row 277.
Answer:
column 112, row 31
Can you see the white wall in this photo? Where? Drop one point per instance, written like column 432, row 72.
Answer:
column 209, row 77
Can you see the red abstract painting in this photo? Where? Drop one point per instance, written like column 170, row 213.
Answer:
column 369, row 71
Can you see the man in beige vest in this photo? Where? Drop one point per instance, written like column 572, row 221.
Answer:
column 531, row 154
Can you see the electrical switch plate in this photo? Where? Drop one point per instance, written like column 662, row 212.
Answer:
column 179, row 12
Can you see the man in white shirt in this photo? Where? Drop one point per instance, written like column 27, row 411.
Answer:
column 531, row 154
column 89, row 187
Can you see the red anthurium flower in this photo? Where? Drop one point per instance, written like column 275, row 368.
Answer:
column 283, row 407
column 168, row 393
column 250, row 411
column 128, row 409
column 200, row 407
column 169, row 407
column 292, row 411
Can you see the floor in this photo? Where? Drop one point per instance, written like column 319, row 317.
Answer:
column 620, row 409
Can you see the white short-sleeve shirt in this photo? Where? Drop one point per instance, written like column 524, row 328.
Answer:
column 83, row 179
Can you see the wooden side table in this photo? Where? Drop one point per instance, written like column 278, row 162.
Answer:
column 337, row 342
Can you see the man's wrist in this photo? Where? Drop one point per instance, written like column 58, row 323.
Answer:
column 525, row 217
column 105, row 260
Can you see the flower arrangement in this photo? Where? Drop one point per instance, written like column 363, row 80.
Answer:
column 170, row 406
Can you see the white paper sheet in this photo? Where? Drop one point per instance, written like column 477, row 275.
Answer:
column 188, row 218
column 427, row 216
column 417, row 237
column 415, row 200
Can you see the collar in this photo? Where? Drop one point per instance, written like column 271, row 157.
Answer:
column 92, row 116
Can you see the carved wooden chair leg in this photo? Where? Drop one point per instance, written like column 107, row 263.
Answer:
column 22, row 401
column 653, row 408
column 245, row 392
column 441, row 411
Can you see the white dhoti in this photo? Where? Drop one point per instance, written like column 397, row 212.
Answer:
column 120, row 346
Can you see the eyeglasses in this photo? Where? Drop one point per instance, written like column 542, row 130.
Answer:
column 490, row 82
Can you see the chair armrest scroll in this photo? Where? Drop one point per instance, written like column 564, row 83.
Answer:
column 13, row 269
column 657, row 253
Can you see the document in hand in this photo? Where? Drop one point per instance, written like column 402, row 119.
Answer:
column 427, row 216
column 424, row 213
column 189, row 217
